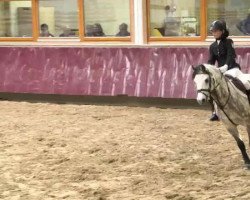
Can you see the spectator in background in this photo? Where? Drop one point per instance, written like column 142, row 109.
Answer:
column 168, row 11
column 244, row 25
column 98, row 30
column 171, row 25
column 67, row 32
column 123, row 30
column 89, row 30
column 45, row 31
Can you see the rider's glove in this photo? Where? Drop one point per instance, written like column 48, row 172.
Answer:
column 223, row 68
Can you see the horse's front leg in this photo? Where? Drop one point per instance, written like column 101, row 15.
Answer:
column 248, row 132
column 232, row 129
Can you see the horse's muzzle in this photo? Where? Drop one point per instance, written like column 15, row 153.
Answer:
column 201, row 101
column 201, row 98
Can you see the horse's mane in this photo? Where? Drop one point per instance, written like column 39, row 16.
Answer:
column 205, row 69
column 211, row 68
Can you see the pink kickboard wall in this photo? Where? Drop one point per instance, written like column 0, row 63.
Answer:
column 141, row 72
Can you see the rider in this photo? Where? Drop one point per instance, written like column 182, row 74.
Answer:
column 222, row 51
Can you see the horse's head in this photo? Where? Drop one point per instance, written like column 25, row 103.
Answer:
column 204, row 82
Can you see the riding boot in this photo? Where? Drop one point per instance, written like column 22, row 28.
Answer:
column 214, row 117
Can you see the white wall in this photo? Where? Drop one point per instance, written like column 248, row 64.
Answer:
column 184, row 8
column 13, row 14
column 61, row 14
column 230, row 10
column 2, row 21
column 109, row 13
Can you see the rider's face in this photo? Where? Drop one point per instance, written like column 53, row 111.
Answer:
column 217, row 33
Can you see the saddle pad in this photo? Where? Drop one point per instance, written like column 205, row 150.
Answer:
column 238, row 84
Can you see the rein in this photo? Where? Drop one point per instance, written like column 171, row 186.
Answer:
column 229, row 95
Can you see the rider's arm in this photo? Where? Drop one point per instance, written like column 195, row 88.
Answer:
column 223, row 68
column 212, row 58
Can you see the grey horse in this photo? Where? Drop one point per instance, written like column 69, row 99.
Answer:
column 232, row 102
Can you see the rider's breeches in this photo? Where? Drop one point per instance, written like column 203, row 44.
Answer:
column 236, row 73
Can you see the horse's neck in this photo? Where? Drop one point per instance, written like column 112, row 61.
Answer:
column 221, row 91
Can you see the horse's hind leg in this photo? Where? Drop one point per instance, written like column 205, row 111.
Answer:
column 232, row 129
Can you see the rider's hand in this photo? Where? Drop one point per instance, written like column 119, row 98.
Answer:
column 223, row 68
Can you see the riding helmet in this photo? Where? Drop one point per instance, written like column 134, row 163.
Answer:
column 218, row 25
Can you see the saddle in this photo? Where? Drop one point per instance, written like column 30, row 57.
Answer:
column 239, row 85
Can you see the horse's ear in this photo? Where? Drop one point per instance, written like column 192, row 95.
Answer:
column 203, row 68
column 199, row 67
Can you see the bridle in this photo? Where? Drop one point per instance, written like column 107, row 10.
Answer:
column 209, row 90
column 212, row 91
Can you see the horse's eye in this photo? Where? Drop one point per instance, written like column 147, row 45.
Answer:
column 207, row 81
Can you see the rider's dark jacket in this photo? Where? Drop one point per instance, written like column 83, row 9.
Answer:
column 223, row 53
